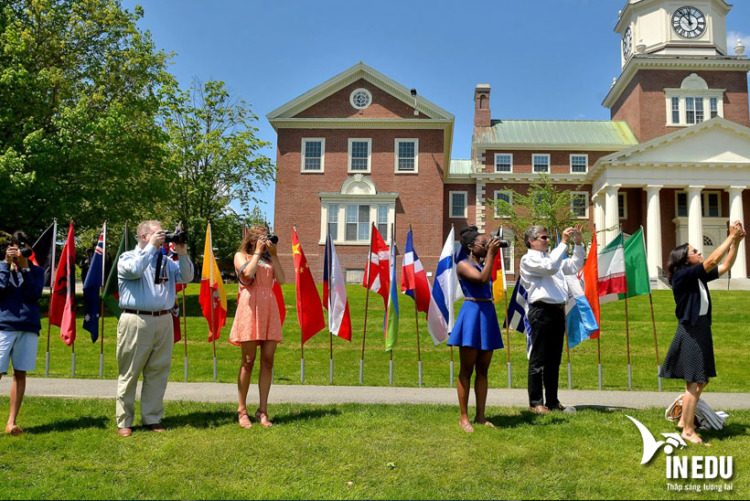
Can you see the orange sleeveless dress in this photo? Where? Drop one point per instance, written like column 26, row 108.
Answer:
column 257, row 317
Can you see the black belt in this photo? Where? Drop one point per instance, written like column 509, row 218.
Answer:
column 144, row 312
column 479, row 299
column 542, row 304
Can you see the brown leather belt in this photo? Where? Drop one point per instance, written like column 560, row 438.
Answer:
column 144, row 312
column 479, row 299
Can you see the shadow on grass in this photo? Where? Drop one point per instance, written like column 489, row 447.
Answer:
column 70, row 425
column 305, row 415
column 526, row 417
column 214, row 419
column 730, row 430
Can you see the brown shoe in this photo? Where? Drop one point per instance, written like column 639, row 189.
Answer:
column 156, row 427
column 124, row 432
column 539, row 409
column 558, row 407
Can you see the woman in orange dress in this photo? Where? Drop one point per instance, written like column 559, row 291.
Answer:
column 257, row 322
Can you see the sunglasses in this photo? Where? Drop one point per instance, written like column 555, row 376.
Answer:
column 543, row 237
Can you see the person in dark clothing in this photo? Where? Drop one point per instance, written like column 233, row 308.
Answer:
column 21, row 284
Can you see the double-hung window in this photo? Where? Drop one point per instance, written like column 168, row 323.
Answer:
column 503, row 162
column 540, row 163
column 407, row 155
column 360, row 154
column 313, row 154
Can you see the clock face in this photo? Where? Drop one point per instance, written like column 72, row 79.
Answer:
column 688, row 22
column 627, row 43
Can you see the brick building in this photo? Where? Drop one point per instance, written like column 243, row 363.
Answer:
column 674, row 158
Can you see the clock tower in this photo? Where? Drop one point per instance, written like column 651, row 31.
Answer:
column 676, row 68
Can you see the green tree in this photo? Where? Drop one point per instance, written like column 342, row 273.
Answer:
column 79, row 93
column 215, row 155
column 543, row 204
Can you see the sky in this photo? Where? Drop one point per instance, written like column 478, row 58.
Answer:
column 544, row 59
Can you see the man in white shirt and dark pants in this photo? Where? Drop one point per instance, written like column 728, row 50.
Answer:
column 543, row 275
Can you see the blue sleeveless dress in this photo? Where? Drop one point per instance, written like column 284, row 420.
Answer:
column 477, row 326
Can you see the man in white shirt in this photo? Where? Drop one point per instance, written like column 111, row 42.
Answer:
column 543, row 275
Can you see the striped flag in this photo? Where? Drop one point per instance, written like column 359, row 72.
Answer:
column 334, row 294
column 590, row 275
column 579, row 315
column 213, row 297
column 391, row 313
column 376, row 274
column 92, row 286
column 111, row 294
column 516, row 315
column 636, row 266
column 413, row 277
column 440, row 315
column 612, row 279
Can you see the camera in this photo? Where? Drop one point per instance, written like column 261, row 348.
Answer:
column 24, row 247
column 274, row 239
column 178, row 236
column 504, row 244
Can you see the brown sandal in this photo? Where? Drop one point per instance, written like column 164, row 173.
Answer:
column 247, row 423
column 262, row 418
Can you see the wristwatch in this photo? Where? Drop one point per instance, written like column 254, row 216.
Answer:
column 24, row 270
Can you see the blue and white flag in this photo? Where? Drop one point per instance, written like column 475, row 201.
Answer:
column 579, row 316
column 92, row 287
column 517, row 314
column 440, row 315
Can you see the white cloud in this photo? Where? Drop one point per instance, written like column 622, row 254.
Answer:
column 732, row 38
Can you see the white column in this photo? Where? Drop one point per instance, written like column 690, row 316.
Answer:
column 611, row 221
column 695, row 217
column 653, row 229
column 599, row 218
column 739, row 270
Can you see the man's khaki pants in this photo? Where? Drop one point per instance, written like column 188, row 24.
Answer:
column 144, row 345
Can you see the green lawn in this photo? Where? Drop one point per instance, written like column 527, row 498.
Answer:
column 731, row 330
column 71, row 451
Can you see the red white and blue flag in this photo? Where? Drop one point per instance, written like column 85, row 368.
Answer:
column 413, row 277
column 334, row 294
column 92, row 287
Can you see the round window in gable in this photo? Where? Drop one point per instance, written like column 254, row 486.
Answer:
column 360, row 99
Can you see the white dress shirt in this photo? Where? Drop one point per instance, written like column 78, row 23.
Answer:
column 544, row 273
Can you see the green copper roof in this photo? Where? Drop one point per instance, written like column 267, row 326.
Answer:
column 460, row 167
column 601, row 135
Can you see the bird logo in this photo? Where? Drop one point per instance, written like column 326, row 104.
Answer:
column 651, row 446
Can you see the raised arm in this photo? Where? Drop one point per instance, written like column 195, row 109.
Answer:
column 730, row 244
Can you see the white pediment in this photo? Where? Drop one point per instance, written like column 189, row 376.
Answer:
column 717, row 141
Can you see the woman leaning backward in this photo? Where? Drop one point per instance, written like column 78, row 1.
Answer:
column 691, row 354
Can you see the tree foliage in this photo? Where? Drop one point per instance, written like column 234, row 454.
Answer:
column 79, row 93
column 543, row 204
column 214, row 156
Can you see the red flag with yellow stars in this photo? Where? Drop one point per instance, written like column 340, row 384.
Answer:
column 309, row 307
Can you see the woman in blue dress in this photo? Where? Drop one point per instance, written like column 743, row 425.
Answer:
column 476, row 331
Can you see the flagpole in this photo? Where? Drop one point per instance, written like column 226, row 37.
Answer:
column 393, row 255
column 73, row 358
column 627, row 345
column 367, row 304
column 656, row 343
column 211, row 282
column 416, row 321
column 451, row 383
column 330, row 334
column 101, row 303
column 184, row 330
column 301, row 334
column 599, row 356
column 567, row 348
column 507, row 335
column 449, row 314
column 51, row 286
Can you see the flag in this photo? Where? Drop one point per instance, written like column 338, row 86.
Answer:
column 334, row 294
column 579, row 315
column 278, row 294
column 413, row 277
column 111, row 293
column 62, row 308
column 498, row 275
column 376, row 274
column 517, row 315
column 590, row 275
column 440, row 315
column 636, row 266
column 213, row 298
column 391, row 312
column 44, row 251
column 168, row 251
column 612, row 269
column 92, row 286
column 309, row 307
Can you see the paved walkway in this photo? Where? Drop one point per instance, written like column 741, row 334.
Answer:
column 311, row 394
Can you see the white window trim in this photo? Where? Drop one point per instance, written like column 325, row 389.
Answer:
column 450, row 204
column 704, row 202
column 510, row 197
column 342, row 202
column 579, row 155
column 511, row 269
column 622, row 195
column 549, row 163
column 511, row 163
column 369, row 155
column 396, row 157
column 682, row 94
column 586, row 198
column 322, row 141
column 677, row 203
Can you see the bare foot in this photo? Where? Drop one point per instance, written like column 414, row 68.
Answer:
column 484, row 422
column 262, row 418
column 13, row 429
column 694, row 438
column 244, row 420
column 681, row 424
column 466, row 426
